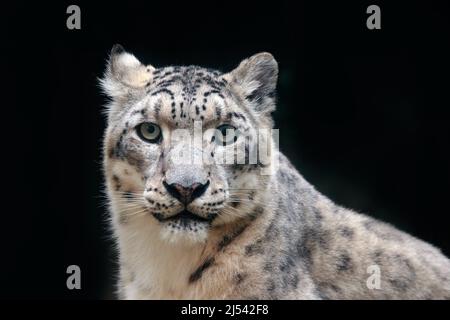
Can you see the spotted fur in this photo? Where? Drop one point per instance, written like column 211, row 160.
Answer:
column 257, row 236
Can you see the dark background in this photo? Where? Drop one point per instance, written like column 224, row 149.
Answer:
column 362, row 114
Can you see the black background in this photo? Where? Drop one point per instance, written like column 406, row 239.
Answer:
column 363, row 114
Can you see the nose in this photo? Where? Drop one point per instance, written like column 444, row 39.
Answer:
column 186, row 194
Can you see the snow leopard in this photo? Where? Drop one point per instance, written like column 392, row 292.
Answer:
column 214, row 229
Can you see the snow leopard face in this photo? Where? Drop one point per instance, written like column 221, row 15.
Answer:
column 183, row 146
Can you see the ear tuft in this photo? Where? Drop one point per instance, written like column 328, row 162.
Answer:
column 117, row 49
column 256, row 78
column 125, row 73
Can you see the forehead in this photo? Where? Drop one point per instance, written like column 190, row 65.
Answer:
column 182, row 95
column 190, row 78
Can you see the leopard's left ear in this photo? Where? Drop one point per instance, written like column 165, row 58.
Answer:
column 256, row 79
column 124, row 73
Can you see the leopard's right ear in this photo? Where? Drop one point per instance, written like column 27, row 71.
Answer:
column 125, row 73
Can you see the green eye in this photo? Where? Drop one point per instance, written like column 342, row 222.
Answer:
column 149, row 132
column 225, row 135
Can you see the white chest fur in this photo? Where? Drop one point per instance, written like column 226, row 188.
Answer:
column 160, row 270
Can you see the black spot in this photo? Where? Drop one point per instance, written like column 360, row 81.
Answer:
column 271, row 231
column 211, row 216
column 404, row 275
column 286, row 264
column 163, row 90
column 254, row 248
column 158, row 216
column 197, row 274
column 252, row 96
column 304, row 252
column 294, row 281
column 240, row 277
column 271, row 286
column 157, row 110
column 227, row 239
column 344, row 262
column 256, row 213
column 327, row 286
column 218, row 112
column 399, row 284
column 346, row 232
column 377, row 257
column 268, row 266
column 317, row 214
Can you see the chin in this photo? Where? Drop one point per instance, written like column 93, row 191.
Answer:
column 184, row 230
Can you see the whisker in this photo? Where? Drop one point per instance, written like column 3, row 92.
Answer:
column 140, row 192
column 133, row 213
column 236, row 213
column 126, row 202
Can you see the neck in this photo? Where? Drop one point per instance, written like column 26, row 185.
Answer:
column 160, row 269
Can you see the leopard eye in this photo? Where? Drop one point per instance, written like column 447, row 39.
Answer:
column 225, row 135
column 149, row 132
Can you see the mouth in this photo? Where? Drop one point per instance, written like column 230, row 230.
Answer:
column 184, row 227
column 184, row 217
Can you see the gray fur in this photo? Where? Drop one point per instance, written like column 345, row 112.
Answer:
column 262, row 236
